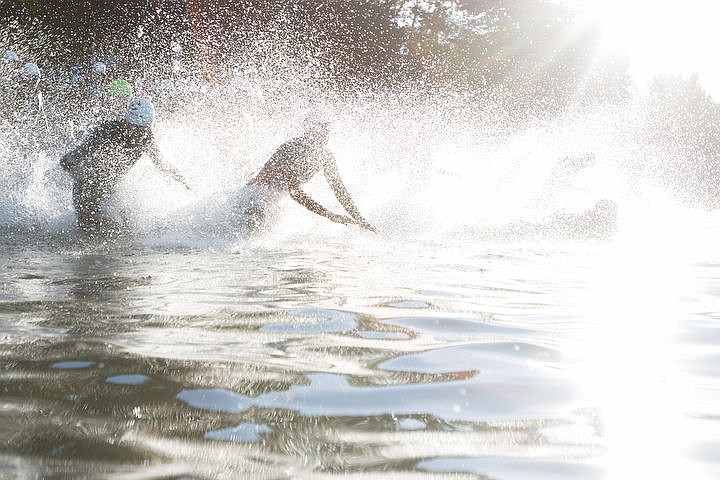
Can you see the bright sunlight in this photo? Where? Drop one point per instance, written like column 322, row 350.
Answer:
column 661, row 36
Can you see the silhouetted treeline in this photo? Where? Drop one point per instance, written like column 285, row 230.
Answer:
column 684, row 125
column 534, row 46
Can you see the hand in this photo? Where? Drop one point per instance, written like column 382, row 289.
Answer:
column 342, row 219
column 361, row 222
column 183, row 181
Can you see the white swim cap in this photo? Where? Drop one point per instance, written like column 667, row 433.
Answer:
column 31, row 71
column 99, row 67
column 11, row 56
column 606, row 205
column 140, row 113
column 167, row 85
column 241, row 83
column 317, row 117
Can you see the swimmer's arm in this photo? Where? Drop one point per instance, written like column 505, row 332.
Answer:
column 338, row 187
column 156, row 157
column 303, row 199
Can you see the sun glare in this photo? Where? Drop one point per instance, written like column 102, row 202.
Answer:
column 630, row 362
column 661, row 36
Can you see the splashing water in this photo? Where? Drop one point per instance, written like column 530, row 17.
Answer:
column 416, row 161
column 480, row 333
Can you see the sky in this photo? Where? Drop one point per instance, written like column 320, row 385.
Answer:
column 662, row 36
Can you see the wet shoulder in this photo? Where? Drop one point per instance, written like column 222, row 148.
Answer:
column 115, row 133
column 111, row 128
column 292, row 148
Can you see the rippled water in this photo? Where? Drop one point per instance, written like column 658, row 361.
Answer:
column 348, row 355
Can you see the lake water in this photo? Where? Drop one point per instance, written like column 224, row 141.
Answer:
column 337, row 353
column 459, row 342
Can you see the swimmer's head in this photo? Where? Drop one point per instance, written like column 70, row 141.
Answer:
column 120, row 87
column 316, row 117
column 10, row 56
column 140, row 113
column 31, row 71
column 240, row 83
column 317, row 125
column 578, row 162
column 100, row 68
column 604, row 216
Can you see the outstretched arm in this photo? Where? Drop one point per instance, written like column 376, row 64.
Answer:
column 338, row 187
column 169, row 170
column 303, row 199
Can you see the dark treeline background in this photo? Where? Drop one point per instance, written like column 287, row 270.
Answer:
column 537, row 50
column 534, row 46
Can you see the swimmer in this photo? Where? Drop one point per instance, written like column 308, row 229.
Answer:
column 293, row 164
column 110, row 151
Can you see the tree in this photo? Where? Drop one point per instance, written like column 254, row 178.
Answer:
column 684, row 126
column 535, row 47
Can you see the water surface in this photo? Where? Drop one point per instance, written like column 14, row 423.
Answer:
column 341, row 353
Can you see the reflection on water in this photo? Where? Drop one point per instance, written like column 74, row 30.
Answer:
column 285, row 361
column 643, row 294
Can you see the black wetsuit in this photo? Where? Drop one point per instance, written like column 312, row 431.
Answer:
column 294, row 162
column 100, row 162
